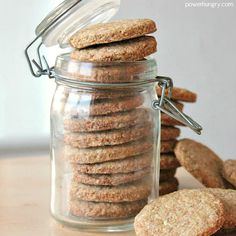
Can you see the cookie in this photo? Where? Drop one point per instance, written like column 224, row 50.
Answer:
column 112, row 32
column 184, row 212
column 168, row 161
column 107, row 153
column 126, row 165
column 229, row 171
column 105, row 209
column 201, row 162
column 111, row 179
column 122, row 193
column 108, row 122
column 167, row 146
column 128, row 50
column 103, row 138
column 169, row 121
column 168, row 186
column 180, row 94
column 169, row 133
column 228, row 197
column 167, row 174
column 103, row 107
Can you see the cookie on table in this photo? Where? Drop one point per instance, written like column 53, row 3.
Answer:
column 128, row 50
column 169, row 133
column 122, row 193
column 111, row 179
column 107, row 153
column 201, row 162
column 168, row 186
column 229, row 171
column 167, row 174
column 105, row 209
column 114, row 31
column 104, row 138
column 126, row 165
column 168, row 161
column 167, row 146
column 184, row 212
column 100, row 123
column 228, row 197
column 180, row 94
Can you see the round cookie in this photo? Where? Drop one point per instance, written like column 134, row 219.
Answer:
column 201, row 162
column 180, row 94
column 167, row 146
column 114, row 31
column 105, row 209
column 103, row 107
column 122, row 193
column 169, row 133
column 107, row 153
column 168, row 186
column 229, row 171
column 185, row 212
column 111, row 179
column 228, row 197
column 103, row 138
column 169, row 121
column 128, row 50
column 101, row 123
column 168, row 161
column 118, row 166
column 167, row 174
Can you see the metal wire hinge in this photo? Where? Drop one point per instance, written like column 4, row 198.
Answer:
column 165, row 105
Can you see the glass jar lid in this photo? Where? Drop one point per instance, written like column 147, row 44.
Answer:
column 72, row 15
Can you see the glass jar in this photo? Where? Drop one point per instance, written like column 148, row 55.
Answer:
column 105, row 143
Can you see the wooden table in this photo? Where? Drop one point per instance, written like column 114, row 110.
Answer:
column 24, row 198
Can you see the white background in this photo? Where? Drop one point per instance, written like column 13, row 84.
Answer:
column 197, row 48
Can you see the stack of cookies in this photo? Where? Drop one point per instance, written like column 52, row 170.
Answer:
column 108, row 135
column 169, row 134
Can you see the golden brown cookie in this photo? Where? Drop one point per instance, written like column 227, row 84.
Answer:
column 180, row 94
column 185, row 212
column 169, row 133
column 110, row 179
column 168, row 161
column 228, row 197
column 126, row 165
column 229, row 171
column 167, row 174
column 168, row 186
column 169, row 121
column 107, row 153
column 201, row 162
column 104, row 138
column 114, row 31
column 128, row 50
column 168, row 146
column 107, row 122
column 106, row 209
column 122, row 193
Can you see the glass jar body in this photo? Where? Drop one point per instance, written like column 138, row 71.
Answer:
column 104, row 153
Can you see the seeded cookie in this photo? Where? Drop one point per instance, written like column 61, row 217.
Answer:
column 111, row 179
column 122, row 193
column 106, row 209
column 128, row 50
column 103, row 138
column 102, row 107
column 167, row 174
column 169, row 133
column 168, row 186
column 100, row 123
column 201, row 162
column 180, row 94
column 168, row 146
column 115, row 31
column 126, row 165
column 168, row 161
column 229, row 171
column 107, row 153
column 228, row 197
column 185, row 212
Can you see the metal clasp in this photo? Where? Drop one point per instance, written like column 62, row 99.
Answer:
column 165, row 105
